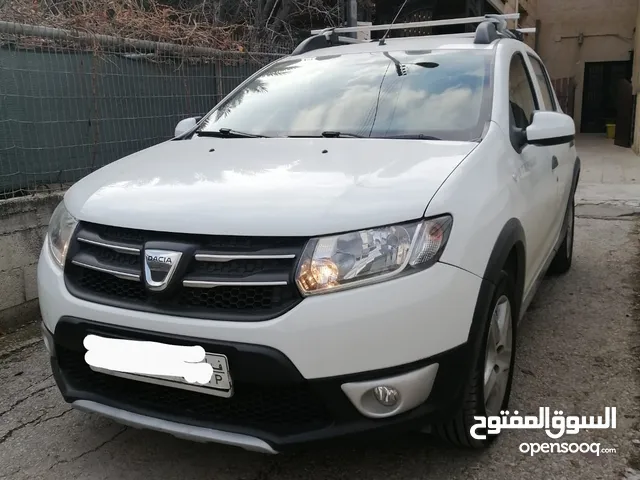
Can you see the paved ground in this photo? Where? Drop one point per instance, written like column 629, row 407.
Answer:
column 610, row 175
column 579, row 351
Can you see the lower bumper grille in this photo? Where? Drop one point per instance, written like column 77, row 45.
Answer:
column 276, row 409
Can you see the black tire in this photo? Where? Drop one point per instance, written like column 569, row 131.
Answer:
column 456, row 431
column 561, row 263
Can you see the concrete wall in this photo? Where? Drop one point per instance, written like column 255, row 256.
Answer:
column 608, row 30
column 23, row 225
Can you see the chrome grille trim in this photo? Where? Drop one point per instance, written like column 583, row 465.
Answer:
column 210, row 257
column 117, row 248
column 116, row 273
column 211, row 284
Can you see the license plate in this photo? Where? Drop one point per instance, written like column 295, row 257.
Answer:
column 159, row 363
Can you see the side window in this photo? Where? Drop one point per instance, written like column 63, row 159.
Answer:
column 522, row 98
column 545, row 84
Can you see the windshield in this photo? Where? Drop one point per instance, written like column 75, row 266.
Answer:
column 441, row 94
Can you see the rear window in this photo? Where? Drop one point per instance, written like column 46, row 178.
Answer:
column 442, row 94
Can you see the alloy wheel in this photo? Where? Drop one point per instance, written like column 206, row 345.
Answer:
column 498, row 356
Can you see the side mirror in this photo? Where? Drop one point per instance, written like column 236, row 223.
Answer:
column 185, row 125
column 550, row 128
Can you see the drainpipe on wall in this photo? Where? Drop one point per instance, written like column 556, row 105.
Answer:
column 352, row 16
column 635, row 82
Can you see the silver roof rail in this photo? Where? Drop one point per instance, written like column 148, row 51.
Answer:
column 427, row 23
column 490, row 28
column 326, row 38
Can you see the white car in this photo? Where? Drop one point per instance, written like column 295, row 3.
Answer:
column 346, row 244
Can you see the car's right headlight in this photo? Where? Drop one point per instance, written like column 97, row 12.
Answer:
column 61, row 228
column 352, row 259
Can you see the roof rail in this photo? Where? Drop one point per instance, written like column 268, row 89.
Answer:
column 428, row 23
column 325, row 38
column 490, row 28
column 495, row 28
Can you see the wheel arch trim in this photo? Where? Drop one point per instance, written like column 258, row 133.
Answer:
column 511, row 237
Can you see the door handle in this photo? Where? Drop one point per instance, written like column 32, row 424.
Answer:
column 554, row 162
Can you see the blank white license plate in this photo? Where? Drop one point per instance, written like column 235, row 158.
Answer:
column 118, row 358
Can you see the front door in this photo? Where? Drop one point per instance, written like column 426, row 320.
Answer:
column 562, row 157
column 537, row 178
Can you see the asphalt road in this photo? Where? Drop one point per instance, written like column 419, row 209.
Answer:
column 578, row 351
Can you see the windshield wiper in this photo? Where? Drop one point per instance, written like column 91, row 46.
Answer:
column 329, row 134
column 228, row 133
column 418, row 136
column 332, row 134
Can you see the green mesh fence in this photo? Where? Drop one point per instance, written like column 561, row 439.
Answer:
column 69, row 107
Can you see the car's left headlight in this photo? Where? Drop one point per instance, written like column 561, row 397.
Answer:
column 61, row 228
column 368, row 256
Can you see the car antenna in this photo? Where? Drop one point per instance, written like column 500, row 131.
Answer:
column 394, row 21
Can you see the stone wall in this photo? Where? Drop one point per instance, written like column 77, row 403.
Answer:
column 23, row 225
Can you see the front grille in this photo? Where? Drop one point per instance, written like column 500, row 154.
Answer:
column 279, row 409
column 225, row 277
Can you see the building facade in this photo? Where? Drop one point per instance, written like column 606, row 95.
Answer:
column 588, row 47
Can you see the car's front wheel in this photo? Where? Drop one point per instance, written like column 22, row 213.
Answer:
column 489, row 386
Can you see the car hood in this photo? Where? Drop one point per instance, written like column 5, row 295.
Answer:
column 268, row 187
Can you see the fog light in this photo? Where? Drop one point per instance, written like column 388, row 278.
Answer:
column 387, row 396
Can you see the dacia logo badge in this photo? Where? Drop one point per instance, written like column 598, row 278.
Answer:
column 159, row 267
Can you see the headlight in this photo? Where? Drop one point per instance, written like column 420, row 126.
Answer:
column 61, row 227
column 367, row 256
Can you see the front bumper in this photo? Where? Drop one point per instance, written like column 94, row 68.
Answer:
column 289, row 373
column 273, row 408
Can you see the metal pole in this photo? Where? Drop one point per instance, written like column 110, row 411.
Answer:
column 352, row 16
column 537, row 39
column 430, row 23
column 61, row 34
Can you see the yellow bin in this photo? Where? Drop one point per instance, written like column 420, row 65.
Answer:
column 611, row 130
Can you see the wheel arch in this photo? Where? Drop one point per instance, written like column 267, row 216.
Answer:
column 509, row 250
column 572, row 191
column 576, row 175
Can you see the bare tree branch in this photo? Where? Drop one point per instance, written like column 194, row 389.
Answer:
column 221, row 24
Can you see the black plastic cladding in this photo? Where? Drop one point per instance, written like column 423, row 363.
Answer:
column 325, row 415
column 279, row 409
